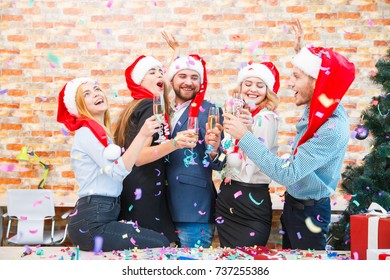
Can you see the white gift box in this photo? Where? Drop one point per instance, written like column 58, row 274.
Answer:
column 378, row 254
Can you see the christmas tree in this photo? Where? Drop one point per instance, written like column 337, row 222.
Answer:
column 369, row 182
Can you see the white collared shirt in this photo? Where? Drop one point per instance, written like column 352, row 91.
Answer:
column 177, row 112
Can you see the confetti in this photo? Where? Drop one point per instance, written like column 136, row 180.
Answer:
column 133, row 241
column 201, row 213
column 74, row 213
column 311, row 226
column 53, row 59
column 325, row 101
column 237, row 194
column 252, row 233
column 98, row 245
column 3, row 91
column 109, row 3
column 254, row 201
column 319, row 114
column 131, row 207
column 33, row 231
column 37, row 203
column 65, row 132
column 138, row 193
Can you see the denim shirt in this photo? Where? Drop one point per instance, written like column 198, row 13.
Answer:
column 314, row 171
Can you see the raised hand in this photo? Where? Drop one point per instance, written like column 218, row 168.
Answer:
column 299, row 34
column 171, row 40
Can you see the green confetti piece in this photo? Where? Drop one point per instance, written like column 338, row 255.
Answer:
column 54, row 59
column 30, row 3
column 254, row 201
column 115, row 92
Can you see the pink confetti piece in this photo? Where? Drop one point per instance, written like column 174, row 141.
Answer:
column 23, row 218
column 370, row 23
column 138, row 193
column 374, row 102
column 109, row 3
column 319, row 114
column 201, row 213
column 331, row 126
column 74, row 213
column 237, row 194
column 372, row 73
column 133, row 241
column 355, row 255
column 7, row 168
column 201, row 109
column 155, row 152
column 252, row 233
column 52, row 65
column 37, row 203
column 33, row 231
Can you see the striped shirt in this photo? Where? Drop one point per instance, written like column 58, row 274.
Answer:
column 314, row 171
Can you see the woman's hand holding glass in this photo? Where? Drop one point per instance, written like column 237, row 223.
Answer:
column 159, row 112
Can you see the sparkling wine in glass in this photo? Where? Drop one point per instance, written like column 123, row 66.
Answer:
column 213, row 119
column 238, row 103
column 193, row 128
column 159, row 111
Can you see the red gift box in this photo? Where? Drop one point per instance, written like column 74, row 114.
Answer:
column 368, row 232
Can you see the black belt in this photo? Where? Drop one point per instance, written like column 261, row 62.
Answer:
column 301, row 203
column 98, row 198
column 249, row 185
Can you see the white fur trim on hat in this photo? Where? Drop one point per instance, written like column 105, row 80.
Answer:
column 257, row 70
column 70, row 94
column 142, row 67
column 308, row 62
column 186, row 62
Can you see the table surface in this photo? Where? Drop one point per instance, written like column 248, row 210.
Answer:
column 70, row 253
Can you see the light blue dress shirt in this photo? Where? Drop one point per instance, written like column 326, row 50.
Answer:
column 95, row 174
column 314, row 171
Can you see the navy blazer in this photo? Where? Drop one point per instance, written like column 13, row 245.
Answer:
column 191, row 190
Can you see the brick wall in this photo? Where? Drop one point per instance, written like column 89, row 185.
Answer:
column 43, row 44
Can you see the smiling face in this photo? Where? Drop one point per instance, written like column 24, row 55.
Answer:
column 153, row 81
column 254, row 90
column 303, row 85
column 186, row 84
column 94, row 99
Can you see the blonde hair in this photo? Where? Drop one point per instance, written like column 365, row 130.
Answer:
column 83, row 111
column 123, row 122
column 270, row 101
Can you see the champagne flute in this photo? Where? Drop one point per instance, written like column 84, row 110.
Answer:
column 193, row 128
column 159, row 111
column 238, row 103
column 213, row 119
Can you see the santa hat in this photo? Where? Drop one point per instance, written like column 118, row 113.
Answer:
column 266, row 71
column 334, row 74
column 70, row 94
column 143, row 65
column 186, row 62
column 197, row 63
column 68, row 114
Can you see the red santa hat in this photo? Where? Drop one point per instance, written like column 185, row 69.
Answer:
column 334, row 74
column 136, row 72
column 198, row 64
column 266, row 71
column 143, row 65
column 68, row 114
column 186, row 62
